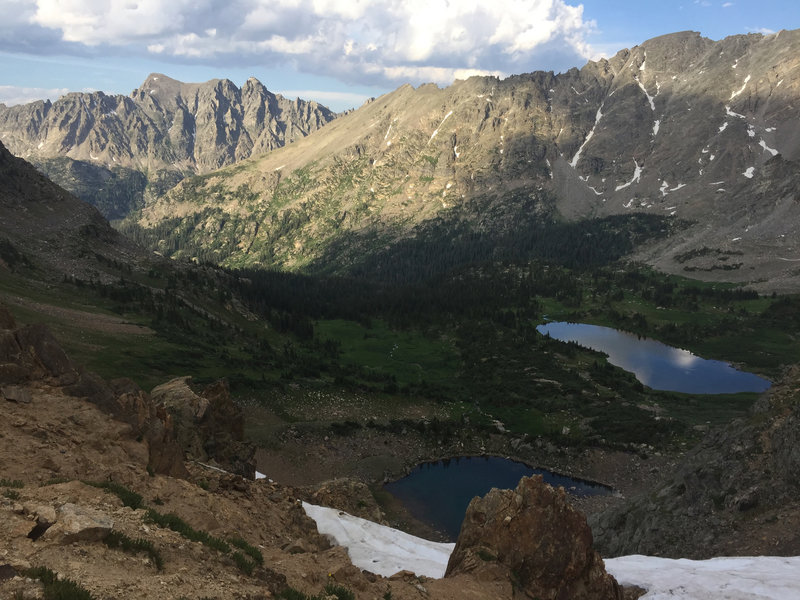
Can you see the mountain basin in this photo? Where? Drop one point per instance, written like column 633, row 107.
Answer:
column 657, row 365
column 438, row 493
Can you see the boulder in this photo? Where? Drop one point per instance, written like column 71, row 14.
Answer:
column 15, row 393
column 535, row 538
column 75, row 523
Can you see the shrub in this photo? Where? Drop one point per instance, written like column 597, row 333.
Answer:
column 174, row 522
column 128, row 497
column 116, row 539
column 58, row 589
column 11, row 483
column 248, row 549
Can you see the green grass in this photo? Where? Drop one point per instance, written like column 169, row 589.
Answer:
column 11, row 483
column 408, row 356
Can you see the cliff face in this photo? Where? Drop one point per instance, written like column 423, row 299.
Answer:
column 164, row 130
column 734, row 494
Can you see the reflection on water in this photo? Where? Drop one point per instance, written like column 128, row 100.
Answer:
column 657, row 365
column 438, row 493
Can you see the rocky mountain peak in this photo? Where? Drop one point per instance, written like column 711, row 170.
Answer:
column 165, row 129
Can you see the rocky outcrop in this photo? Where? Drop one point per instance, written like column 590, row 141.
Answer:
column 208, row 425
column 535, row 538
column 734, row 494
column 31, row 356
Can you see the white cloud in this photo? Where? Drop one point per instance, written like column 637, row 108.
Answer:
column 727, row 4
column 11, row 95
column 369, row 41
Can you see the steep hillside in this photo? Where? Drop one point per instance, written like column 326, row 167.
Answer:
column 734, row 494
column 680, row 127
column 111, row 150
column 45, row 228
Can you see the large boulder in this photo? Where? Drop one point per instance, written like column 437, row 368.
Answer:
column 535, row 538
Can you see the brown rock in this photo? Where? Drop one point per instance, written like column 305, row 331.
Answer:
column 6, row 318
column 15, row 393
column 538, row 539
column 40, row 347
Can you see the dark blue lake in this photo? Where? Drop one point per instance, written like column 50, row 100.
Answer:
column 657, row 365
column 438, row 493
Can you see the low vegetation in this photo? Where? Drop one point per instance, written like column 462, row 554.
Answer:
column 56, row 588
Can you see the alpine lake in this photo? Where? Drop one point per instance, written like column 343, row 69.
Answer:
column 438, row 493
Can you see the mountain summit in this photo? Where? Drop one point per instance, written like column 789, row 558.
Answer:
column 165, row 129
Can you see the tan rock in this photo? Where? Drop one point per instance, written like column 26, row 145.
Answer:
column 79, row 523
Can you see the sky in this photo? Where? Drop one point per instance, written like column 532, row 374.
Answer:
column 337, row 52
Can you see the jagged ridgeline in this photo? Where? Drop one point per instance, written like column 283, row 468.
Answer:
column 116, row 151
column 580, row 167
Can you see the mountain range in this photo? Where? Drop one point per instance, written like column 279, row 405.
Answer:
column 701, row 136
column 115, row 150
column 697, row 133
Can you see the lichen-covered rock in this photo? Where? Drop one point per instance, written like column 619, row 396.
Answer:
column 533, row 536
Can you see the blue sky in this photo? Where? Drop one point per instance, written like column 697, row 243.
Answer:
column 338, row 52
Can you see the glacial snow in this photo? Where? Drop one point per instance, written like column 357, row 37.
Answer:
column 385, row 551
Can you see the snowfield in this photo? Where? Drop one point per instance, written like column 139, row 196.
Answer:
column 385, row 551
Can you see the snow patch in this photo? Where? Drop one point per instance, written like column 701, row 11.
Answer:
column 637, row 174
column 724, row 127
column 40, row 144
column 573, row 163
column 649, row 97
column 380, row 549
column 664, row 188
column 733, row 578
column 740, row 90
column 730, row 113
column 751, row 132
column 771, row 129
column 736, row 239
column 749, row 172
column 772, row 151
column 436, row 131
column 595, row 191
column 656, row 127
